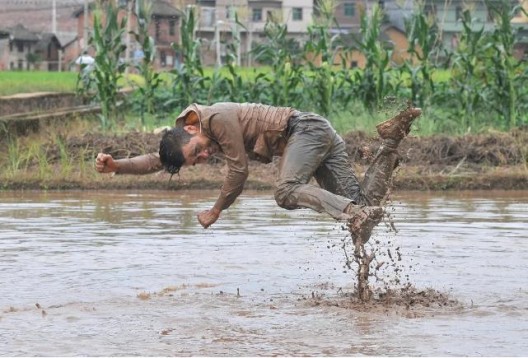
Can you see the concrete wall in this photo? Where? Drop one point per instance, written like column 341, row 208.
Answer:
column 37, row 102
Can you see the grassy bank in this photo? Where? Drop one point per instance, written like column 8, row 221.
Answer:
column 354, row 116
column 13, row 82
column 63, row 158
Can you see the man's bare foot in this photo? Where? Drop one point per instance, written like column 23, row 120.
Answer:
column 400, row 125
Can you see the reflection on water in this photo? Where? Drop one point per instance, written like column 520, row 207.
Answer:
column 134, row 274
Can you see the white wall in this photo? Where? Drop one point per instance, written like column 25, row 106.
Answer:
column 307, row 13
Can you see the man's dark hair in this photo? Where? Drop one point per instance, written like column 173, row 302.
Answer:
column 170, row 152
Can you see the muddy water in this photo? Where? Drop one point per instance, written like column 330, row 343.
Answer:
column 100, row 273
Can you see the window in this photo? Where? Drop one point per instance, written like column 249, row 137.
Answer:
column 430, row 10
column 257, row 15
column 381, row 4
column 122, row 3
column 230, row 12
column 172, row 27
column 20, row 47
column 158, row 30
column 297, row 14
column 350, row 9
column 353, row 64
column 208, row 17
column 163, row 58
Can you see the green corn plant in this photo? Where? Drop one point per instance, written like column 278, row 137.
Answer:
column 145, row 67
column 257, row 88
column 218, row 89
column 235, row 84
column 283, row 55
column 333, row 84
column 466, row 95
column 422, row 33
column 321, row 44
column 235, row 45
column 505, row 78
column 236, row 87
column 189, row 81
column 109, row 67
column 373, row 81
column 330, row 88
column 329, row 80
column 324, row 84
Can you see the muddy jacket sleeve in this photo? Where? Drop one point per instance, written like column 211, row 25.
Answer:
column 142, row 164
column 228, row 134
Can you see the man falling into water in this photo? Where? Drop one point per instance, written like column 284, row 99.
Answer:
column 308, row 146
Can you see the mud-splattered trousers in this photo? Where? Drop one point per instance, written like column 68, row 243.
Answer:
column 308, row 145
column 314, row 149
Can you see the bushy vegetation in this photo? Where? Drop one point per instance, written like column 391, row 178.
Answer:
column 477, row 86
column 108, row 68
column 484, row 87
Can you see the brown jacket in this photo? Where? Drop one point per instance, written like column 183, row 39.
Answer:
column 239, row 130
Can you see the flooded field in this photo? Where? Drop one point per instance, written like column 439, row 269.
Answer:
column 121, row 273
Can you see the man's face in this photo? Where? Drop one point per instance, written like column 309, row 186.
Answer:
column 198, row 149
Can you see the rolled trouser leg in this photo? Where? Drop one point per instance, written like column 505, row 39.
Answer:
column 336, row 175
column 309, row 147
column 292, row 196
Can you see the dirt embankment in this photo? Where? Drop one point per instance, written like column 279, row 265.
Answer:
column 491, row 161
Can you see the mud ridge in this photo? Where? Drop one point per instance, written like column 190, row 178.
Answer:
column 470, row 162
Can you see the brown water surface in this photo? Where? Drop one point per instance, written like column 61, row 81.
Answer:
column 106, row 273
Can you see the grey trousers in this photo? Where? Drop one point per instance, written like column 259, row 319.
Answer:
column 314, row 149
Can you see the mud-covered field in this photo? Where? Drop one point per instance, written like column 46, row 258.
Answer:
column 491, row 161
column 125, row 272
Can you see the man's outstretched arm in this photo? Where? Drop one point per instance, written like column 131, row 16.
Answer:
column 142, row 164
column 228, row 134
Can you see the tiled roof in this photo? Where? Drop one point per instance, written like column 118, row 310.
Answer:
column 45, row 39
column 159, row 8
column 66, row 38
column 19, row 32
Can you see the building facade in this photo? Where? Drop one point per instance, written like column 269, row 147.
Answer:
column 164, row 28
column 224, row 25
column 241, row 24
